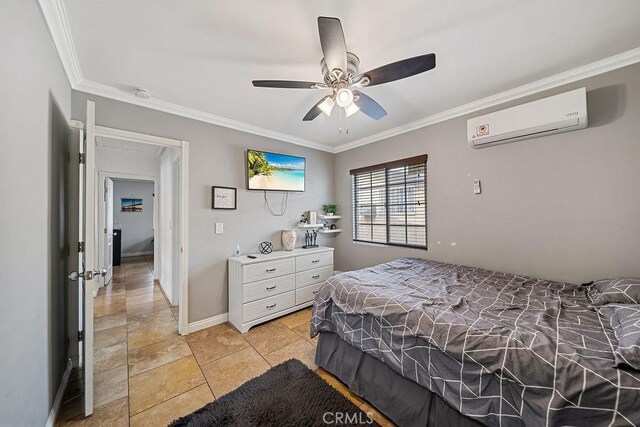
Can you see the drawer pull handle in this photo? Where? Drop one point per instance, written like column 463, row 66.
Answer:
column 270, row 288
column 271, row 270
column 317, row 276
column 316, row 292
column 315, row 261
column 272, row 305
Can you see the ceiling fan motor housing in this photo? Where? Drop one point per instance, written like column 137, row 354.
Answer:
column 353, row 62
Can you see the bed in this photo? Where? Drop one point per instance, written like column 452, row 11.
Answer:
column 440, row 344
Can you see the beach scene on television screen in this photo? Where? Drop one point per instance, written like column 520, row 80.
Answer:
column 268, row 171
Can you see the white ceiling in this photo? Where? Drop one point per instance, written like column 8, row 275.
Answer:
column 121, row 144
column 203, row 54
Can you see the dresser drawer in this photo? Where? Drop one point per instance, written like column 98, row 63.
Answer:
column 267, row 270
column 266, row 306
column 313, row 276
column 307, row 293
column 266, row 288
column 307, row 262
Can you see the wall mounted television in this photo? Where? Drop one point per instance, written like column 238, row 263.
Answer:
column 275, row 172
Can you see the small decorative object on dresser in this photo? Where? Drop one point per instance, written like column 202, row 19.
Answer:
column 223, row 197
column 265, row 247
column 288, row 239
column 275, row 284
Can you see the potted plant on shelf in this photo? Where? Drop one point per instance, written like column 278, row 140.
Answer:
column 329, row 209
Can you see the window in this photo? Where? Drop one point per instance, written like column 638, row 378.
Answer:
column 390, row 203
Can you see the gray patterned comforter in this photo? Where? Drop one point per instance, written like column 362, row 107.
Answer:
column 501, row 348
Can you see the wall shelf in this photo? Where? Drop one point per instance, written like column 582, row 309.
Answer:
column 329, row 217
column 310, row 225
column 329, row 231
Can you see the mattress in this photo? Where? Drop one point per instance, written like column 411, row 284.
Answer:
column 500, row 348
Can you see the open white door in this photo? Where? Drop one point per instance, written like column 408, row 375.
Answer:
column 108, row 229
column 86, row 275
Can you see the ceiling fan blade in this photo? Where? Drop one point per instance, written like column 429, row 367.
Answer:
column 400, row 70
column 315, row 111
column 288, row 84
column 333, row 45
column 368, row 106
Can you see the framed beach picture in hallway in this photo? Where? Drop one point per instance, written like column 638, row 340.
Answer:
column 130, row 205
column 275, row 172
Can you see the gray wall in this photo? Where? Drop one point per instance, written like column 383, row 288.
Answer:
column 216, row 157
column 34, row 111
column 562, row 207
column 137, row 227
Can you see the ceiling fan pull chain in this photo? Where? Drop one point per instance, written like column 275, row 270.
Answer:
column 340, row 119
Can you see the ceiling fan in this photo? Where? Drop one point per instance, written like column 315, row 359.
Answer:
column 341, row 75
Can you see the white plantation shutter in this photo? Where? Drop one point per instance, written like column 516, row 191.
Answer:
column 390, row 203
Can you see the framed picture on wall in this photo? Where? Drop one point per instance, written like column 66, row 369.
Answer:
column 130, row 205
column 223, row 197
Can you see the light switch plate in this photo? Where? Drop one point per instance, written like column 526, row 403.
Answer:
column 219, row 228
column 476, row 186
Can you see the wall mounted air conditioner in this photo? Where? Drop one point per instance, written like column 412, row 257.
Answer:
column 559, row 113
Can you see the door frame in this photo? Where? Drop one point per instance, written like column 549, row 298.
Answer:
column 183, row 264
column 102, row 219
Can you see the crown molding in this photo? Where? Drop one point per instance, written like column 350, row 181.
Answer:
column 110, row 92
column 586, row 71
column 56, row 17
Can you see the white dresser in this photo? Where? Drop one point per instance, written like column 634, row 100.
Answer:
column 276, row 284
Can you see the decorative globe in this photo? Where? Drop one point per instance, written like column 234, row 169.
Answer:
column 265, row 247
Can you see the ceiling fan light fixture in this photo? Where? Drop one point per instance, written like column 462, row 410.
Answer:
column 327, row 105
column 344, row 97
column 351, row 109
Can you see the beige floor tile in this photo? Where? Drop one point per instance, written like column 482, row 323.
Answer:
column 160, row 384
column 109, row 309
column 146, row 307
column 109, row 357
column 111, row 321
column 270, row 337
column 216, row 345
column 108, row 337
column 376, row 415
column 154, row 355
column 230, row 372
column 211, row 331
column 179, row 406
column 176, row 311
column 150, row 290
column 145, row 320
column 304, row 332
column 109, row 297
column 296, row 319
column 114, row 414
column 141, row 299
column 109, row 386
column 338, row 385
column 151, row 334
column 139, row 285
column 301, row 350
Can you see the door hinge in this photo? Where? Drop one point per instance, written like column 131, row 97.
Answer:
column 80, row 247
column 80, row 335
column 82, row 158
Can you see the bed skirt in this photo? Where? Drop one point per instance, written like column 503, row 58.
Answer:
column 403, row 401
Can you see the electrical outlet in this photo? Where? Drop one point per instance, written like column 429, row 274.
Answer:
column 219, row 228
column 476, row 186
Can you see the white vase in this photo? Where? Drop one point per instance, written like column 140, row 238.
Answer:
column 288, row 239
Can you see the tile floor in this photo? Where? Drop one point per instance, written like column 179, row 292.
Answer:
column 147, row 374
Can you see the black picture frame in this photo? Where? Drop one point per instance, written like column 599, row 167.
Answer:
column 221, row 197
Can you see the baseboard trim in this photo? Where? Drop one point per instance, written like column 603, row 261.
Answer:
column 206, row 323
column 130, row 254
column 57, row 402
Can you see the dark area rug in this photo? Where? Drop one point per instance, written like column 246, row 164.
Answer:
column 286, row 395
